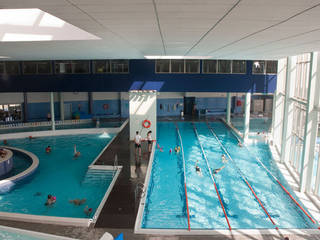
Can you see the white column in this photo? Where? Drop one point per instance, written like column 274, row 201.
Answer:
column 246, row 123
column 61, row 106
column 311, row 126
column 288, row 110
column 228, row 107
column 52, row 111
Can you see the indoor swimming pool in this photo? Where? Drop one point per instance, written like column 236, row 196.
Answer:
column 61, row 175
column 256, row 124
column 251, row 197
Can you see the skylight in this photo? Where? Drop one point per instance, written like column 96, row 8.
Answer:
column 36, row 25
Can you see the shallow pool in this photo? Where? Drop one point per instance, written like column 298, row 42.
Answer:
column 165, row 206
column 61, row 175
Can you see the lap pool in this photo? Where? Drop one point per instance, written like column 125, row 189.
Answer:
column 61, row 175
column 165, row 203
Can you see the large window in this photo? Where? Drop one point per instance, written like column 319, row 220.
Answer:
column 209, row 66
column 224, row 66
column 264, row 67
column 10, row 112
column 11, row 68
column 119, row 66
column 72, row 66
column 192, row 66
column 37, row 67
column 177, row 66
column 163, row 66
column 239, row 66
column 101, row 66
column 302, row 71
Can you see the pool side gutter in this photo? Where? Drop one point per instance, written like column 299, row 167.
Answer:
column 238, row 134
column 137, row 226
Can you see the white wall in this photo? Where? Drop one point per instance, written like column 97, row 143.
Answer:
column 75, row 96
column 166, row 95
column 142, row 106
column 6, row 98
column 105, row 95
column 40, row 97
column 206, row 94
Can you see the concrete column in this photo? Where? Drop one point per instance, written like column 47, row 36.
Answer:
column 119, row 103
column 25, row 107
column 61, row 106
column 246, row 122
column 288, row 110
column 228, row 107
column 311, row 127
column 52, row 111
column 90, row 103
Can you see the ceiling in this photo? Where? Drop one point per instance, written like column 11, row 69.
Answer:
column 223, row 29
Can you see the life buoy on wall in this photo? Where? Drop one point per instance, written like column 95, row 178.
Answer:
column 146, row 124
column 239, row 103
column 105, row 106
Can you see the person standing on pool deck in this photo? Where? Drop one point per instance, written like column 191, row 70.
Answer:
column 137, row 144
column 149, row 139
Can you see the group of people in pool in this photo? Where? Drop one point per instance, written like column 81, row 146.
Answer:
column 51, row 200
column 213, row 171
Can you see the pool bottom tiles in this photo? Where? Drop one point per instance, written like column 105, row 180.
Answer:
column 166, row 207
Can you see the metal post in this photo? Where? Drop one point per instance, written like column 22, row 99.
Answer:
column 25, row 107
column 246, row 122
column 52, row 111
column 228, row 107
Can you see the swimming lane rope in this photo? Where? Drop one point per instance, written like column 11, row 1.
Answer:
column 212, row 177
column 242, row 175
column 276, row 179
column 184, row 175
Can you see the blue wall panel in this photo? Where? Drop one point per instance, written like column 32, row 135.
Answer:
column 111, row 110
column 39, row 111
column 169, row 107
column 124, row 108
column 142, row 76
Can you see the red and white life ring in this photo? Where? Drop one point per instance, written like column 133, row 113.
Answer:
column 146, row 124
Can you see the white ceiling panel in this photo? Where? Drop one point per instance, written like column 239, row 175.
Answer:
column 230, row 29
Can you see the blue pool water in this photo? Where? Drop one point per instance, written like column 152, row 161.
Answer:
column 16, row 236
column 255, row 125
column 165, row 204
column 61, row 175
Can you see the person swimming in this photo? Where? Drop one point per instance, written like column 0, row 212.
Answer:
column 75, row 152
column 177, row 149
column 48, row 149
column 50, row 200
column 223, row 158
column 240, row 144
column 78, row 201
column 87, row 211
column 198, row 169
column 215, row 171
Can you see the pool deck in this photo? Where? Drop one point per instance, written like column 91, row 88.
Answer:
column 119, row 212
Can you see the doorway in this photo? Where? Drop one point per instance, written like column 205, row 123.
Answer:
column 189, row 103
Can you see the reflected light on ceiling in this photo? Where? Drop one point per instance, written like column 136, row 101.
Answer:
column 20, row 17
column 17, row 37
column 51, row 21
column 178, row 57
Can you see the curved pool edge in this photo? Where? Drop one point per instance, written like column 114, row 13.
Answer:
column 8, row 183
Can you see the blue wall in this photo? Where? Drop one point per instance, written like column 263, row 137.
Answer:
column 170, row 107
column 113, row 108
column 142, row 76
column 39, row 111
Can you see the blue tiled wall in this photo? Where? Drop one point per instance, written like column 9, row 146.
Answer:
column 39, row 111
column 112, row 108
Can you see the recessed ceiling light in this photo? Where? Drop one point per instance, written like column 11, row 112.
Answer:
column 4, row 57
column 177, row 57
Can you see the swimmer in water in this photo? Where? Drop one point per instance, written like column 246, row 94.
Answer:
column 198, row 169
column 48, row 149
column 240, row 144
column 215, row 171
column 177, row 149
column 224, row 159
column 75, row 152
column 87, row 211
column 78, row 201
column 50, row 200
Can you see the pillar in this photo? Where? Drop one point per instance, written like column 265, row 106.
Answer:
column 228, row 107
column 90, row 103
column 61, row 106
column 52, row 111
column 246, row 122
column 288, row 110
column 25, row 107
column 311, row 125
